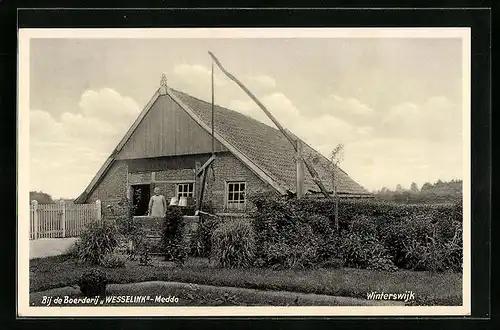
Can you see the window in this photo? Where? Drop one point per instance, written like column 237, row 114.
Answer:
column 185, row 190
column 236, row 195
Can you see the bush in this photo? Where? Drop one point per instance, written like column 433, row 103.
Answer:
column 93, row 282
column 132, row 240
column 173, row 238
column 201, row 242
column 113, row 260
column 365, row 252
column 97, row 240
column 361, row 247
column 233, row 244
column 332, row 263
column 376, row 235
column 73, row 250
column 425, row 243
column 289, row 237
column 125, row 222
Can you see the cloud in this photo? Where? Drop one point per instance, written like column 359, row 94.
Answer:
column 401, row 161
column 350, row 109
column 323, row 132
column 73, row 146
column 350, row 106
column 196, row 80
column 364, row 130
column 276, row 103
column 436, row 119
column 44, row 127
column 263, row 81
column 196, row 73
column 370, row 158
column 108, row 105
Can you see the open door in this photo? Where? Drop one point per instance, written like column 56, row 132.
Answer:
column 140, row 198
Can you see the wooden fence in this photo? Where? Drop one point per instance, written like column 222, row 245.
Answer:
column 61, row 219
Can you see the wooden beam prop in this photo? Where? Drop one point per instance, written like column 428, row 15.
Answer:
column 204, row 166
column 253, row 97
column 202, row 189
column 309, row 167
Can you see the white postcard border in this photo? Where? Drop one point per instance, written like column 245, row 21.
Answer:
column 24, row 36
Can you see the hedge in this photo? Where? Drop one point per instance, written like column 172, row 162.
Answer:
column 372, row 234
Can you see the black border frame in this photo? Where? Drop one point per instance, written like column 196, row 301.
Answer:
column 479, row 19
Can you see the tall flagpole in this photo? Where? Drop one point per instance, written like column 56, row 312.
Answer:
column 213, row 148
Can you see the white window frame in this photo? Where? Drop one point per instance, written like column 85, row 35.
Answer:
column 236, row 205
column 185, row 193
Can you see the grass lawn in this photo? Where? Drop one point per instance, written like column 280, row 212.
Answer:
column 184, row 294
column 429, row 288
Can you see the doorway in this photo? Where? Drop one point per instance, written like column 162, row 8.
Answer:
column 140, row 198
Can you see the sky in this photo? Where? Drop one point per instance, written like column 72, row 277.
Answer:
column 395, row 104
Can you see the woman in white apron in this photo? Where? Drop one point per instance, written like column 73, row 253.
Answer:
column 157, row 205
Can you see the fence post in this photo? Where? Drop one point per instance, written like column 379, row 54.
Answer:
column 34, row 203
column 98, row 209
column 63, row 218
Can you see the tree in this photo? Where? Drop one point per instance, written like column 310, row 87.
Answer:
column 336, row 156
column 426, row 186
column 41, row 197
column 399, row 188
column 413, row 187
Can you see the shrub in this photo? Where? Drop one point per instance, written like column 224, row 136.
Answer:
column 140, row 243
column 233, row 244
column 97, row 240
column 113, row 260
column 373, row 234
column 125, row 222
column 92, row 282
column 421, row 242
column 289, row 237
column 333, row 263
column 145, row 259
column 73, row 250
column 201, row 242
column 365, row 251
column 173, row 238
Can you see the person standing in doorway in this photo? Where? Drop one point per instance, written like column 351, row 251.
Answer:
column 157, row 205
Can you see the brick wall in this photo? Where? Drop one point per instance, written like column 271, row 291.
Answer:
column 175, row 174
column 111, row 190
column 113, row 185
column 226, row 167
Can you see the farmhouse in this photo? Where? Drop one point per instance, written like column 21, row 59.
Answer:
column 170, row 146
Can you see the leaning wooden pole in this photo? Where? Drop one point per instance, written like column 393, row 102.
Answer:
column 213, row 106
column 309, row 167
